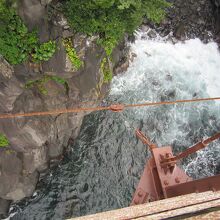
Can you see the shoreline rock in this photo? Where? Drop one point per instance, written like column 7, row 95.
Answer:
column 188, row 20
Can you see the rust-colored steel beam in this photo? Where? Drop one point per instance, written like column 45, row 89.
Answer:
column 195, row 148
column 145, row 140
column 201, row 185
column 171, row 175
column 149, row 188
column 162, row 178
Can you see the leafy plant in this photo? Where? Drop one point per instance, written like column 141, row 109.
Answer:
column 40, row 83
column 108, row 45
column 16, row 43
column 44, row 51
column 3, row 140
column 107, row 73
column 111, row 19
column 71, row 52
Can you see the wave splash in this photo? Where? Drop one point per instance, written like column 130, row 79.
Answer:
column 165, row 71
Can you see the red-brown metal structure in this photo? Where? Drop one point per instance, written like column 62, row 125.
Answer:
column 162, row 178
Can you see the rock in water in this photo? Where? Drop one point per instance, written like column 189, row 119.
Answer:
column 180, row 32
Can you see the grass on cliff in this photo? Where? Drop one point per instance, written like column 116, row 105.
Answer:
column 71, row 52
column 106, row 71
column 40, row 83
column 111, row 19
column 3, row 140
column 17, row 44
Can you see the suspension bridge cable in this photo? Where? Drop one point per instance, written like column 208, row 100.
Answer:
column 114, row 108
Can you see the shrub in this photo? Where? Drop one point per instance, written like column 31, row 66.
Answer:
column 71, row 52
column 44, row 51
column 3, row 141
column 108, row 45
column 16, row 43
column 111, row 18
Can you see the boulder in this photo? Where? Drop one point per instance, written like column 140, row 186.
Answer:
column 180, row 33
column 152, row 34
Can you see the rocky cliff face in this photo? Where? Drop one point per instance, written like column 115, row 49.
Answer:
column 189, row 19
column 36, row 141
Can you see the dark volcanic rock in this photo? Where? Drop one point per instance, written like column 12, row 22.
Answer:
column 189, row 19
column 216, row 9
column 15, row 182
column 180, row 32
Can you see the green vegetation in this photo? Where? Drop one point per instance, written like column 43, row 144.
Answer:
column 107, row 73
column 40, row 83
column 3, row 140
column 111, row 19
column 8, row 152
column 108, row 45
column 17, row 45
column 44, row 51
column 71, row 52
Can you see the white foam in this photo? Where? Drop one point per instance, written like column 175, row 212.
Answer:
column 192, row 61
column 166, row 71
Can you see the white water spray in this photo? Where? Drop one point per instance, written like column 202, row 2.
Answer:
column 166, row 71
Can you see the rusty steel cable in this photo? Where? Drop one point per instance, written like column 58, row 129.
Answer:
column 196, row 147
column 114, row 108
